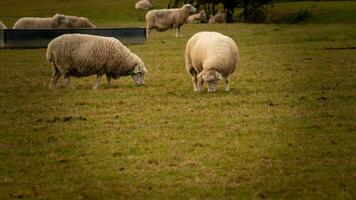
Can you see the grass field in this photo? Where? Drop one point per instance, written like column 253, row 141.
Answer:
column 286, row 130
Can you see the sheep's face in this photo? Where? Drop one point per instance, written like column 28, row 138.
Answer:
column 62, row 20
column 191, row 9
column 211, row 77
column 203, row 15
column 138, row 74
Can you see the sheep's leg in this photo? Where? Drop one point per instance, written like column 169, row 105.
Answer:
column 148, row 32
column 178, row 32
column 226, row 83
column 194, row 79
column 67, row 81
column 108, row 77
column 54, row 79
column 200, row 83
column 97, row 82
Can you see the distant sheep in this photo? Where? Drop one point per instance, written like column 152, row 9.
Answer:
column 200, row 17
column 218, row 18
column 80, row 55
column 143, row 4
column 164, row 19
column 79, row 22
column 210, row 56
column 2, row 25
column 57, row 21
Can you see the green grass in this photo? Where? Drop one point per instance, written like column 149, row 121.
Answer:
column 341, row 12
column 286, row 130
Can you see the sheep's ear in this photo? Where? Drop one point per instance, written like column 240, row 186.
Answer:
column 218, row 76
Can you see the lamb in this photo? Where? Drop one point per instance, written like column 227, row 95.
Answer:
column 164, row 19
column 143, row 4
column 218, row 18
column 57, row 21
column 200, row 17
column 2, row 25
column 81, row 55
column 78, row 22
column 209, row 57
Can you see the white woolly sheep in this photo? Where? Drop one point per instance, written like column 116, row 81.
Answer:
column 209, row 57
column 80, row 55
column 164, row 19
column 200, row 17
column 78, row 22
column 143, row 4
column 218, row 18
column 57, row 21
column 2, row 25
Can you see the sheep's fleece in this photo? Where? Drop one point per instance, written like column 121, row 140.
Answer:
column 57, row 21
column 84, row 55
column 79, row 22
column 210, row 56
column 143, row 4
column 164, row 19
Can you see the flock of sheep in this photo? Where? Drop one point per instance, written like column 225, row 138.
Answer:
column 209, row 56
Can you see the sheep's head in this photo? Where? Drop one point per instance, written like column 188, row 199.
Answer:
column 62, row 20
column 211, row 77
column 203, row 15
column 138, row 74
column 191, row 9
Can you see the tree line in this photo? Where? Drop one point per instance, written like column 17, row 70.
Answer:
column 253, row 10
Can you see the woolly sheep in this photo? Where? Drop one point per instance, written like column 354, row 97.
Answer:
column 218, row 18
column 198, row 18
column 2, row 25
column 78, row 22
column 57, row 21
column 164, row 19
column 210, row 56
column 143, row 4
column 80, row 55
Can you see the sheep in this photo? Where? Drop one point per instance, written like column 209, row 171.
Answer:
column 143, row 4
column 164, row 19
column 209, row 57
column 218, row 18
column 78, row 22
column 57, row 21
column 81, row 55
column 2, row 25
column 200, row 17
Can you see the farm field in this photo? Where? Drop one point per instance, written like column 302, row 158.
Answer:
column 286, row 129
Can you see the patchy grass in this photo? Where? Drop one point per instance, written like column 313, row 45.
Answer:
column 285, row 130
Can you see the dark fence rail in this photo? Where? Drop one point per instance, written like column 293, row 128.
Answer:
column 39, row 38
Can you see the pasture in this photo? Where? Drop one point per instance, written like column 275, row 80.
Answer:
column 286, row 129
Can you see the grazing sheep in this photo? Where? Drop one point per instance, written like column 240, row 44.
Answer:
column 79, row 22
column 200, row 17
column 57, row 21
column 164, row 19
column 218, row 18
column 2, row 25
column 210, row 56
column 84, row 55
column 143, row 4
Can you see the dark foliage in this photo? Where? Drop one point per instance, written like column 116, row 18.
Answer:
column 252, row 9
